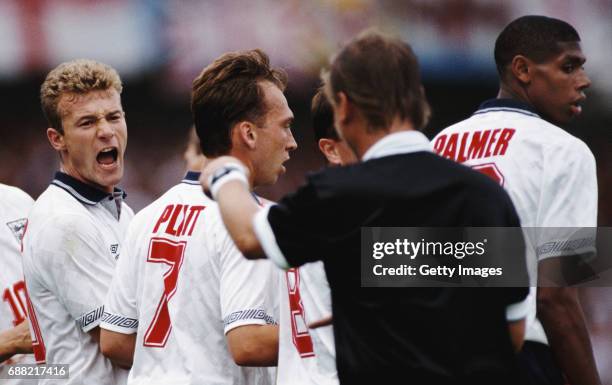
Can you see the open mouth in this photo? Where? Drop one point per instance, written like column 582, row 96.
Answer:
column 576, row 107
column 107, row 156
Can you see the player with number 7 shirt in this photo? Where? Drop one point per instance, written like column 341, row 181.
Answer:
column 185, row 306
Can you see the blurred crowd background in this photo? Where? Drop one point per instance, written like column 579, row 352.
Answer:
column 158, row 47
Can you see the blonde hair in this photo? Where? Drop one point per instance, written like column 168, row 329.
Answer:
column 79, row 77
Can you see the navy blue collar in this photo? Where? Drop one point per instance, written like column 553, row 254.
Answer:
column 82, row 191
column 510, row 105
column 192, row 177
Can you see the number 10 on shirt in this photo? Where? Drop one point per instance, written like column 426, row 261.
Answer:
column 170, row 253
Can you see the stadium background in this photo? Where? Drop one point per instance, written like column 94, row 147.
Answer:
column 159, row 46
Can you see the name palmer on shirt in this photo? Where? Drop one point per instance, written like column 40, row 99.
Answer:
column 465, row 146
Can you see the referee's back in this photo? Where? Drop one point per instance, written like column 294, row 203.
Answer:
column 403, row 335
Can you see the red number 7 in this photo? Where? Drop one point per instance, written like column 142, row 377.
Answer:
column 171, row 253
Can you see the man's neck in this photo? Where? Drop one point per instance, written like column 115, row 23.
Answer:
column 73, row 173
column 509, row 92
column 366, row 141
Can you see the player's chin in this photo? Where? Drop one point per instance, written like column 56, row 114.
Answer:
column 110, row 178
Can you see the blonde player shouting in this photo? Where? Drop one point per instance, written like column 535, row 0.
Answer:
column 76, row 226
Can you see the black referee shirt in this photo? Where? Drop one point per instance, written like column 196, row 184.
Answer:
column 402, row 335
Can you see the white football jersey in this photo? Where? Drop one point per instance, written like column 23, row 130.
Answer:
column 549, row 174
column 14, row 208
column 181, row 285
column 305, row 356
column 70, row 248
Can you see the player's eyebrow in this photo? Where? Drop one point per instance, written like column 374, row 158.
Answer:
column 288, row 121
column 96, row 116
column 87, row 117
column 117, row 111
column 575, row 59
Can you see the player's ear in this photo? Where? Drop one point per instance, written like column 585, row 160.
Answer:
column 246, row 133
column 521, row 69
column 329, row 149
column 56, row 139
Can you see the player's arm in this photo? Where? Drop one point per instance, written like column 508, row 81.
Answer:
column 247, row 308
column 235, row 202
column 254, row 345
column 517, row 334
column 120, row 321
column 118, row 347
column 571, row 199
column 275, row 231
column 561, row 315
column 15, row 341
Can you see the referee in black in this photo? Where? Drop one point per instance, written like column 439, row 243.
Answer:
column 385, row 335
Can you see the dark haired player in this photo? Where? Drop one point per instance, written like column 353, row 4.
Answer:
column 307, row 356
column 549, row 174
column 185, row 306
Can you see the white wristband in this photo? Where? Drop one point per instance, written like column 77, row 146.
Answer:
column 229, row 172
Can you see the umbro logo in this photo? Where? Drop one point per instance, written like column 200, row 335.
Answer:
column 114, row 249
column 17, row 227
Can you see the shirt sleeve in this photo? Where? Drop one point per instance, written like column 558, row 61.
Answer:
column 121, row 306
column 248, row 289
column 78, row 267
column 301, row 228
column 568, row 206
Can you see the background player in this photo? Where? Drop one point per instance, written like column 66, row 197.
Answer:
column 193, row 157
column 307, row 356
column 197, row 306
column 549, row 174
column 15, row 341
column 76, row 226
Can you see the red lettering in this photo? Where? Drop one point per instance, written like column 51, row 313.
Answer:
column 439, row 145
column 493, row 139
column 477, row 145
column 461, row 158
column 169, row 253
column 299, row 331
column 451, row 147
column 38, row 345
column 180, row 228
column 197, row 210
column 502, row 143
column 181, row 215
column 164, row 217
column 170, row 229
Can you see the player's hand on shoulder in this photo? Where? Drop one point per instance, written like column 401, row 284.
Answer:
column 216, row 169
